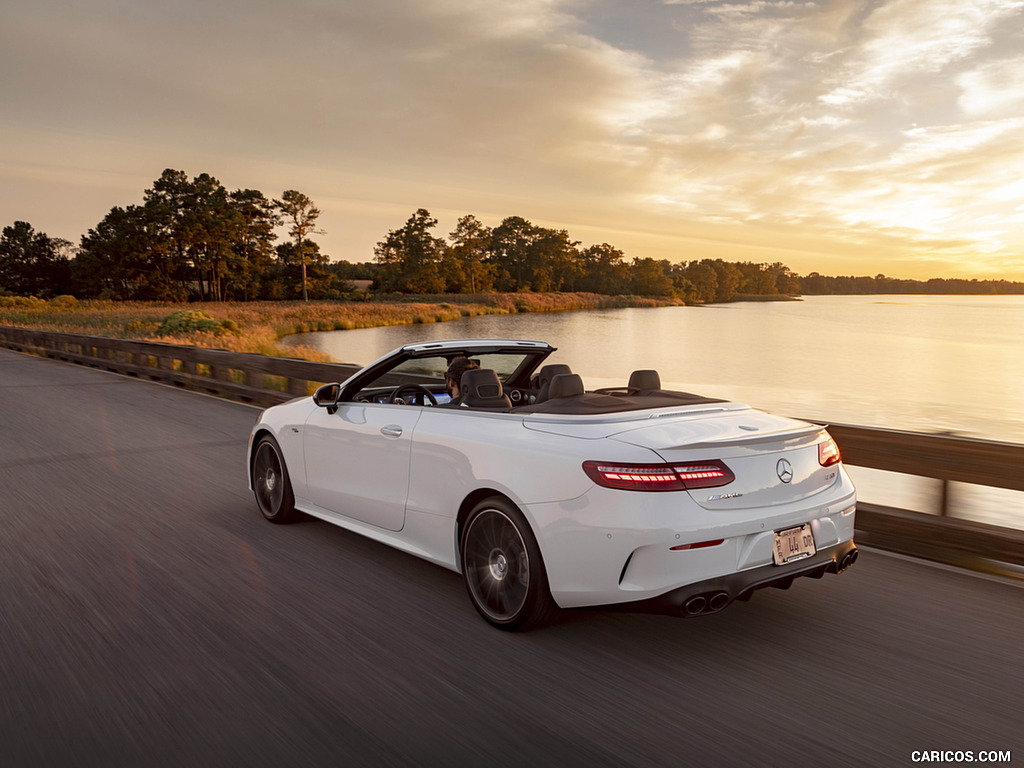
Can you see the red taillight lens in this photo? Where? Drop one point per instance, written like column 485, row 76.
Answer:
column 828, row 453
column 709, row 474
column 658, row 477
column 634, row 477
column 698, row 545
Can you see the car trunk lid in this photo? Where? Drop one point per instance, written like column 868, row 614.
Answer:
column 774, row 459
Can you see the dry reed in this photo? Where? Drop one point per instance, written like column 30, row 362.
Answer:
column 263, row 324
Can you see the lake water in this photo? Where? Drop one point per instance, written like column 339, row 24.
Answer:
column 923, row 363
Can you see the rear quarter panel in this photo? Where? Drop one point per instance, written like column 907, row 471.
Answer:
column 456, row 452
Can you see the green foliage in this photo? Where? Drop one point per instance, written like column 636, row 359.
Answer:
column 184, row 322
column 410, row 258
column 192, row 240
column 32, row 263
column 299, row 210
column 303, row 274
column 815, row 284
column 466, row 266
column 21, row 302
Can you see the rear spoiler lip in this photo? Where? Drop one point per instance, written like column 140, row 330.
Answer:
column 774, row 441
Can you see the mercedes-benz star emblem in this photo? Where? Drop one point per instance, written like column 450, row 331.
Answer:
column 784, row 470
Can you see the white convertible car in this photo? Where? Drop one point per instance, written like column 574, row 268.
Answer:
column 546, row 495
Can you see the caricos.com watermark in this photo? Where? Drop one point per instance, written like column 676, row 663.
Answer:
column 960, row 756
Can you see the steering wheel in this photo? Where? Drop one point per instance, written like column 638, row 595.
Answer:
column 412, row 388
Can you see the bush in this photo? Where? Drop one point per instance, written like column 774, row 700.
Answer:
column 21, row 302
column 186, row 321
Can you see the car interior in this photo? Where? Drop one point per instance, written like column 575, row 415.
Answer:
column 509, row 383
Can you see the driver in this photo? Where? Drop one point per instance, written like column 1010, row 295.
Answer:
column 453, row 377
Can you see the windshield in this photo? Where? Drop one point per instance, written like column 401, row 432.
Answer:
column 512, row 369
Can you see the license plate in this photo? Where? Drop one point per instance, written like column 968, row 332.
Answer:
column 794, row 544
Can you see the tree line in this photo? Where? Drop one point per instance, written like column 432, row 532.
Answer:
column 517, row 255
column 192, row 239
column 822, row 285
column 189, row 239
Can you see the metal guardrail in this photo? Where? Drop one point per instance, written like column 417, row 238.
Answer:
column 252, row 378
column 949, row 459
column 944, row 457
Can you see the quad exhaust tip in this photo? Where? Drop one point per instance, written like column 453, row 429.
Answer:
column 707, row 603
column 849, row 559
column 712, row 602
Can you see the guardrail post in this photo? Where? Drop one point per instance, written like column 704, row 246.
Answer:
column 220, row 373
column 944, row 498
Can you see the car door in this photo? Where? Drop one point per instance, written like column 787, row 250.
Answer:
column 357, row 461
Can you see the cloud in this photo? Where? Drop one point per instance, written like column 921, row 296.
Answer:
column 901, row 40
column 828, row 121
column 993, row 88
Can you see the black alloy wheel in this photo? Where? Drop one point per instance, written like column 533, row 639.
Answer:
column 502, row 567
column 270, row 482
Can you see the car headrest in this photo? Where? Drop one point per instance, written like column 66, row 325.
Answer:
column 565, row 385
column 644, row 380
column 481, row 388
column 547, row 373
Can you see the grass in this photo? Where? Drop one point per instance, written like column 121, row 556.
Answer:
column 261, row 325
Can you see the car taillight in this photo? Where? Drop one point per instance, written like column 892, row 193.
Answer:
column 697, row 545
column 659, row 477
column 828, row 453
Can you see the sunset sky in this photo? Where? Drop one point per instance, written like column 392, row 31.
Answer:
column 835, row 136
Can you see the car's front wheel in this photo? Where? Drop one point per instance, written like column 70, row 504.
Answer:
column 270, row 482
column 502, row 567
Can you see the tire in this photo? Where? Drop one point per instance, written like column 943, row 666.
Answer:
column 502, row 567
column 270, row 482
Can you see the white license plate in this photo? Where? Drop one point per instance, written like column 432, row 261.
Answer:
column 794, row 544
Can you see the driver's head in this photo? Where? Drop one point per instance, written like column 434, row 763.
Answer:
column 453, row 376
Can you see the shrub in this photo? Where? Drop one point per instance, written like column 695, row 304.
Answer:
column 194, row 321
column 22, row 302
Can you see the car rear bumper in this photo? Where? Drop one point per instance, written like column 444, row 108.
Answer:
column 712, row 595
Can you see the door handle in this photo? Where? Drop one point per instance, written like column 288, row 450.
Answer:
column 391, row 430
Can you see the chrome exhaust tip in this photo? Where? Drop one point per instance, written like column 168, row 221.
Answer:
column 848, row 559
column 718, row 601
column 695, row 605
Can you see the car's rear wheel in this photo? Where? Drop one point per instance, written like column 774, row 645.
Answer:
column 502, row 567
column 270, row 482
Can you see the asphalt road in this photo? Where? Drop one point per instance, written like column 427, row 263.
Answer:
column 150, row 616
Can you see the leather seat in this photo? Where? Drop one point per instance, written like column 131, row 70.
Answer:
column 481, row 389
column 565, row 385
column 644, row 380
column 547, row 373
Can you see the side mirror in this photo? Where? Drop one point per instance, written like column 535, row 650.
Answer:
column 326, row 396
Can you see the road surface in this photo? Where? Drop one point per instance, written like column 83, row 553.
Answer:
column 150, row 616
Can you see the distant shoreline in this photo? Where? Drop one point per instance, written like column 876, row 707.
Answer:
column 257, row 327
column 759, row 297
